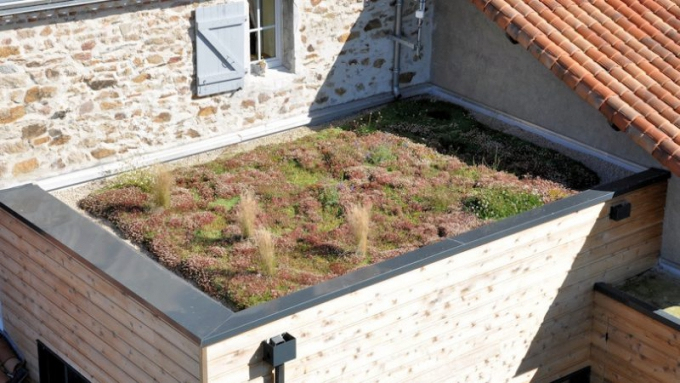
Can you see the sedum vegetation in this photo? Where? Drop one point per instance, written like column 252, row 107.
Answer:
column 258, row 225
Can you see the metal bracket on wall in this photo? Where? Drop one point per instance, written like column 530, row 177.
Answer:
column 403, row 42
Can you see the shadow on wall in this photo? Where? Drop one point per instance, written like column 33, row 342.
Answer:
column 560, row 343
column 363, row 64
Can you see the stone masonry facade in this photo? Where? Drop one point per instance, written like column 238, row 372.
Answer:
column 83, row 86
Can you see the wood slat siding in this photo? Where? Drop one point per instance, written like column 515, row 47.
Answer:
column 637, row 348
column 517, row 309
column 101, row 331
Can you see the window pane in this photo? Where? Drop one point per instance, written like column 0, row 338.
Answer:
column 268, row 12
column 253, row 46
column 269, row 43
column 252, row 13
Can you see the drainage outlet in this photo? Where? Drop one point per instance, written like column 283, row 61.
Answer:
column 620, row 211
column 279, row 349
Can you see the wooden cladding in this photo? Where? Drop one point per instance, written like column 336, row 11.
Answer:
column 629, row 346
column 516, row 309
column 92, row 324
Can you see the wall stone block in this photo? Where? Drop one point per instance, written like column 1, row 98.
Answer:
column 40, row 141
column 15, row 80
column 9, row 115
column 98, row 84
column 102, row 153
column 8, row 51
column 33, row 131
column 25, row 166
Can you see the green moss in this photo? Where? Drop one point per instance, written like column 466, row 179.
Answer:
column 380, row 154
column 329, row 197
column 217, row 167
column 298, row 175
column 498, row 203
column 440, row 199
column 208, row 234
column 211, row 231
column 331, row 221
column 227, row 204
column 140, row 178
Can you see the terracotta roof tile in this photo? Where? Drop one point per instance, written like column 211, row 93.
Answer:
column 621, row 56
column 643, row 139
column 598, row 96
column 668, row 147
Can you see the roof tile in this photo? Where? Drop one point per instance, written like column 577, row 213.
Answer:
column 643, row 139
column 621, row 56
column 668, row 147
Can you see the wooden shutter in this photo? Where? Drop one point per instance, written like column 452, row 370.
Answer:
column 221, row 47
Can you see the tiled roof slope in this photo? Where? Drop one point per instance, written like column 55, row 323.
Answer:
column 622, row 56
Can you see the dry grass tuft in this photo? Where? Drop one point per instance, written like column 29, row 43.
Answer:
column 247, row 213
column 358, row 219
column 161, row 189
column 264, row 241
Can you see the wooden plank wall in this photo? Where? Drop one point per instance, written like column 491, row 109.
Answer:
column 628, row 346
column 517, row 309
column 97, row 328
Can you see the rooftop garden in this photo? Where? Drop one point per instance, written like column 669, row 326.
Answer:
column 251, row 227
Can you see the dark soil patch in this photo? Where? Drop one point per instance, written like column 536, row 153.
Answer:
column 426, row 168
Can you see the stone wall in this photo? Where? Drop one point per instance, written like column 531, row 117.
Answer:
column 81, row 86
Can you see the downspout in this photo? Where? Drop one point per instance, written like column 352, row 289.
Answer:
column 277, row 351
column 396, row 65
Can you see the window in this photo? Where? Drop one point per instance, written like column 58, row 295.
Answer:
column 265, row 31
column 53, row 369
column 234, row 37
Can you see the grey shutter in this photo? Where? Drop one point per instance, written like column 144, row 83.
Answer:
column 221, row 47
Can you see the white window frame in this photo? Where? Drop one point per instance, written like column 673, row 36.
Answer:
column 278, row 20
